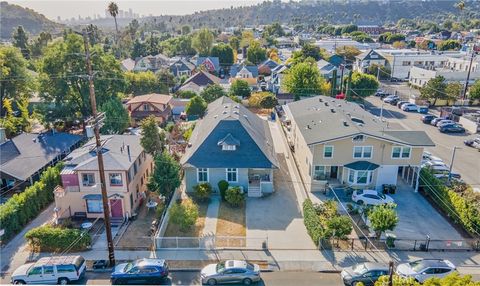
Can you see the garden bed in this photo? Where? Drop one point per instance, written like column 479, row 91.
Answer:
column 231, row 221
column 195, row 231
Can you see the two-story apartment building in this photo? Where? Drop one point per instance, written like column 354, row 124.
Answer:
column 233, row 144
column 155, row 104
column 339, row 143
column 127, row 168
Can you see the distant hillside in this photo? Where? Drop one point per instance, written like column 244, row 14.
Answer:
column 12, row 16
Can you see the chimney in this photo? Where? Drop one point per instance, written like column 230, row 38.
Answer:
column 3, row 135
column 128, row 152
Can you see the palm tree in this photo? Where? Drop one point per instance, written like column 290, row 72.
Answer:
column 113, row 10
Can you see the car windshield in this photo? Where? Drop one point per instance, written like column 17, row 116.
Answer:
column 381, row 196
column 250, row 266
column 360, row 269
column 220, row 267
column 128, row 267
column 417, row 266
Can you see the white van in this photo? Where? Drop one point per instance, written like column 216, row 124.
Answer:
column 51, row 270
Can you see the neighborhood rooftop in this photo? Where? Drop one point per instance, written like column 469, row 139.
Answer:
column 323, row 119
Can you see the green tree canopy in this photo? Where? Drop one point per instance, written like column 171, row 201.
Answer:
column 196, row 106
column 224, row 53
column 255, row 53
column 153, row 139
column 434, row 89
column 212, row 92
column 116, row 116
column 449, row 45
column 348, row 52
column 143, row 82
column 453, row 91
column 234, row 42
column 474, row 91
column 16, row 80
column 383, row 218
column 165, row 177
column 304, row 79
column 186, row 94
column 240, row 88
column 363, row 85
column 20, row 40
column 63, row 83
column 273, row 30
column 202, row 42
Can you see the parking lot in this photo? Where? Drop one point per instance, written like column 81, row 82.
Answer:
column 467, row 159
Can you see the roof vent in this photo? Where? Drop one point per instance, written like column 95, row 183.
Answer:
column 339, row 105
column 236, row 112
column 225, row 106
column 348, row 114
column 320, row 100
column 308, row 127
column 326, row 103
column 245, row 116
column 215, row 116
column 237, row 107
column 224, row 112
column 345, row 123
column 332, row 110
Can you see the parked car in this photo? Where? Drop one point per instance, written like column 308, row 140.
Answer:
column 230, row 271
column 140, row 271
column 446, row 175
column 436, row 120
column 422, row 109
column 428, row 157
column 394, row 79
column 452, row 128
column 51, row 270
column 445, row 121
column 409, row 107
column 385, row 94
column 370, row 197
column 473, row 142
column 367, row 273
column 380, row 92
column 400, row 103
column 428, row 118
column 390, row 98
column 423, row 269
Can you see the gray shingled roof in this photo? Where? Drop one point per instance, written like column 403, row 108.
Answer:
column 224, row 116
column 321, row 119
column 25, row 154
column 115, row 154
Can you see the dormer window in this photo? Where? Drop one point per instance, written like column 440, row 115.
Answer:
column 229, row 143
column 358, row 138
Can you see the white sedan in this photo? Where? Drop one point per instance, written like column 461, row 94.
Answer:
column 409, row 107
column 370, row 197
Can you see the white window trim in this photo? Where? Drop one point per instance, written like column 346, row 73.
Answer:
column 363, row 156
column 208, row 175
column 333, row 149
column 236, row 175
column 401, row 152
column 324, row 170
column 355, row 177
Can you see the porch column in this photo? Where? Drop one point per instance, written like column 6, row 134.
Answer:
column 418, row 179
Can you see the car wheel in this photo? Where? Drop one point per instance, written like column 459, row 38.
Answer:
column 62, row 281
column 19, row 282
column 360, row 202
column 212, row 282
column 247, row 281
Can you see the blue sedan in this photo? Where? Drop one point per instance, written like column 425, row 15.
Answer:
column 141, row 271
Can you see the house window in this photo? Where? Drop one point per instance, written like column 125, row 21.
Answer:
column 362, row 152
column 202, row 175
column 146, row 107
column 320, row 173
column 359, row 177
column 88, row 179
column 115, row 179
column 134, row 168
column 358, row 138
column 94, row 206
column 226, row 147
column 129, row 176
column 140, row 161
column 232, row 174
column 327, row 151
column 401, row 152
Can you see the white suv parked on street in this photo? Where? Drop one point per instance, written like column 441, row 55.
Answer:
column 51, row 270
column 423, row 269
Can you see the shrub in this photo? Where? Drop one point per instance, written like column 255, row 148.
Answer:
column 184, row 214
column 262, row 100
column 57, row 239
column 312, row 221
column 203, row 191
column 382, row 218
column 222, row 187
column 234, row 196
column 23, row 207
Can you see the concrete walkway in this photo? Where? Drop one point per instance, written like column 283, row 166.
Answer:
column 16, row 252
column 210, row 227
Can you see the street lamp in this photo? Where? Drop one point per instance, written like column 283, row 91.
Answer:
column 451, row 163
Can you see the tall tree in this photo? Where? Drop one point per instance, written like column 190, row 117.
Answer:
column 39, row 44
column 196, row 106
column 453, row 91
column 383, row 218
column 363, row 85
column 240, row 88
column 224, row 53
column 20, row 40
column 113, row 10
column 186, row 29
column 212, row 92
column 202, row 42
column 143, row 82
column 255, row 53
column 304, row 79
column 474, row 91
column 434, row 89
column 153, row 138
column 234, row 42
column 348, row 52
column 165, row 177
column 116, row 117
column 16, row 81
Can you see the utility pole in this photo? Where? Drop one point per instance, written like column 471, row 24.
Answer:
column 464, row 96
column 93, row 103
column 390, row 273
column 451, row 163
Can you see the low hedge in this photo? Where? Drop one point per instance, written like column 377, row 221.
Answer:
column 312, row 221
column 57, row 239
column 23, row 207
column 462, row 207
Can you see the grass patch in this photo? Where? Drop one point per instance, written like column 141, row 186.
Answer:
column 231, row 222
column 195, row 231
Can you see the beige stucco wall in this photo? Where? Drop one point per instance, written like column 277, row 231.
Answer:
column 74, row 199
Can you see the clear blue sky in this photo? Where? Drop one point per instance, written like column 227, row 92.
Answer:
column 74, row 8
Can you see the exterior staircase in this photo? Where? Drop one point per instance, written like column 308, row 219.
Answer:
column 254, row 192
column 116, row 221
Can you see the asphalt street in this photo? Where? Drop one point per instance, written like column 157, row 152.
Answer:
column 467, row 160
column 268, row 278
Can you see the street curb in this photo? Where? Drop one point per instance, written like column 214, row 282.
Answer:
column 329, row 271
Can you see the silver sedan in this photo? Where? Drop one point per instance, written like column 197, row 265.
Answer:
column 230, row 271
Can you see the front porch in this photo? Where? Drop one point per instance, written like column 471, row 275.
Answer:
column 260, row 181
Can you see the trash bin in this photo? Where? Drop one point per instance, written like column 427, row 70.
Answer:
column 390, row 240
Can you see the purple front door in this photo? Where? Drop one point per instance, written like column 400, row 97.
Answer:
column 116, row 208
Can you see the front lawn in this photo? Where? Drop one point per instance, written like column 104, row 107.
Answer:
column 173, row 230
column 231, row 222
